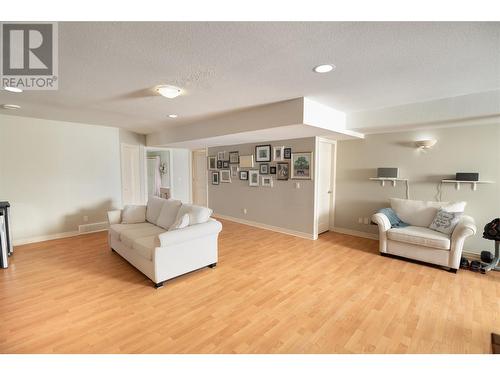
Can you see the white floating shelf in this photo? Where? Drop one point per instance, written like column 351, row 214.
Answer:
column 473, row 183
column 384, row 179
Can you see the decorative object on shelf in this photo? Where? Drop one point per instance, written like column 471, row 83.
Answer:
column 287, row 153
column 234, row 157
column 283, row 171
column 388, row 172
column 225, row 175
column 262, row 153
column 467, row 176
column 267, row 181
column 212, row 162
column 425, row 143
column 246, row 161
column 278, row 153
column 234, row 170
column 253, row 177
column 219, row 164
column 225, row 164
column 272, row 169
column 244, row 175
column 222, row 155
column 302, row 165
column 163, row 169
column 264, row 168
column 215, row 178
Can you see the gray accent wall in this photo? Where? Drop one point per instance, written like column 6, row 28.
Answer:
column 459, row 149
column 283, row 205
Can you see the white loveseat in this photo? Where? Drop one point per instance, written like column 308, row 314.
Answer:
column 419, row 242
column 163, row 254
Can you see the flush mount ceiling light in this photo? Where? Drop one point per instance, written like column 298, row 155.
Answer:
column 10, row 106
column 325, row 68
column 172, row 116
column 425, row 143
column 168, row 91
column 12, row 89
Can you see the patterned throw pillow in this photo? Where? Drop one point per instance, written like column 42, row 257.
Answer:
column 445, row 222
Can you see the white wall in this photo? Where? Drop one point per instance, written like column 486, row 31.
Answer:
column 181, row 175
column 54, row 173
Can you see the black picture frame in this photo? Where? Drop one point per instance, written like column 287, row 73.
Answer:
column 287, row 153
column 272, row 169
column 225, row 164
column 244, row 175
column 215, row 178
column 234, row 157
column 262, row 158
column 219, row 164
column 264, row 168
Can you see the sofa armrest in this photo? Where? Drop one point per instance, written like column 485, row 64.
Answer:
column 382, row 221
column 465, row 228
column 189, row 233
column 115, row 217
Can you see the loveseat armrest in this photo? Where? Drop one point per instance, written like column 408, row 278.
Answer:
column 466, row 227
column 189, row 233
column 115, row 217
column 382, row 221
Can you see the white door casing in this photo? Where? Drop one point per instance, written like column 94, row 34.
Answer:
column 325, row 185
column 131, row 174
column 200, row 188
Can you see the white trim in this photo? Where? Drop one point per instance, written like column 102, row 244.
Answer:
column 47, row 237
column 357, row 233
column 268, row 227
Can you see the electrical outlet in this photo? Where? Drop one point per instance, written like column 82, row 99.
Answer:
column 85, row 219
column 245, row 211
column 367, row 220
column 360, row 220
column 297, row 185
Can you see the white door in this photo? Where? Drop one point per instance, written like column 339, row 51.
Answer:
column 325, row 185
column 200, row 178
column 131, row 174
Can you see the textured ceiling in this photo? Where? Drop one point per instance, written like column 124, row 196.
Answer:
column 106, row 69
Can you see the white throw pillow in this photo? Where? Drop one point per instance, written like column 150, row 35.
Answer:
column 181, row 222
column 168, row 213
column 422, row 213
column 197, row 214
column 445, row 221
column 133, row 214
column 153, row 209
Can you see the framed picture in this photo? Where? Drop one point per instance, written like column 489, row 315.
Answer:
column 267, row 181
column 225, row 164
column 215, row 178
column 253, row 177
column 221, row 155
column 264, row 168
column 234, row 170
column 262, row 153
column 234, row 157
column 287, row 153
column 283, row 171
column 243, row 175
column 219, row 164
column 302, row 165
column 246, row 161
column 278, row 153
column 225, row 175
column 212, row 162
column 272, row 169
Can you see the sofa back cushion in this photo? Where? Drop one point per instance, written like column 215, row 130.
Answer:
column 422, row 213
column 133, row 214
column 197, row 214
column 168, row 213
column 153, row 209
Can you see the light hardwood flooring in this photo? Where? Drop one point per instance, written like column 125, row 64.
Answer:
column 270, row 293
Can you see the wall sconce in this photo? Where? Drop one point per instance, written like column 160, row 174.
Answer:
column 425, row 143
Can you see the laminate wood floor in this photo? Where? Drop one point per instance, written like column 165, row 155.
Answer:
column 270, row 293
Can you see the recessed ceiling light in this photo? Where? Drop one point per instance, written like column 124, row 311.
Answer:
column 168, row 91
column 11, row 106
column 172, row 116
column 12, row 89
column 324, row 68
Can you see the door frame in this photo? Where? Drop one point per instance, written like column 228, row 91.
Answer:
column 145, row 174
column 193, row 164
column 333, row 183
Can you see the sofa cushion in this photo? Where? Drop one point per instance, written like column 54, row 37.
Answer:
column 145, row 246
column 180, row 222
column 116, row 229
column 420, row 236
column 153, row 209
column 168, row 213
column 197, row 214
column 133, row 214
column 445, row 222
column 130, row 235
column 422, row 213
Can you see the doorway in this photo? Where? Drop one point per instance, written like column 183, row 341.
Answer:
column 159, row 173
column 326, row 184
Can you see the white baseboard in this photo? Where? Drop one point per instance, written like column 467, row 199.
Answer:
column 266, row 226
column 93, row 227
column 357, row 233
column 55, row 236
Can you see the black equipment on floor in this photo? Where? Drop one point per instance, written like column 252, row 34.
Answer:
column 6, row 247
column 492, row 232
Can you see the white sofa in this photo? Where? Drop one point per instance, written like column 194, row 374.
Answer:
column 157, row 252
column 419, row 242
